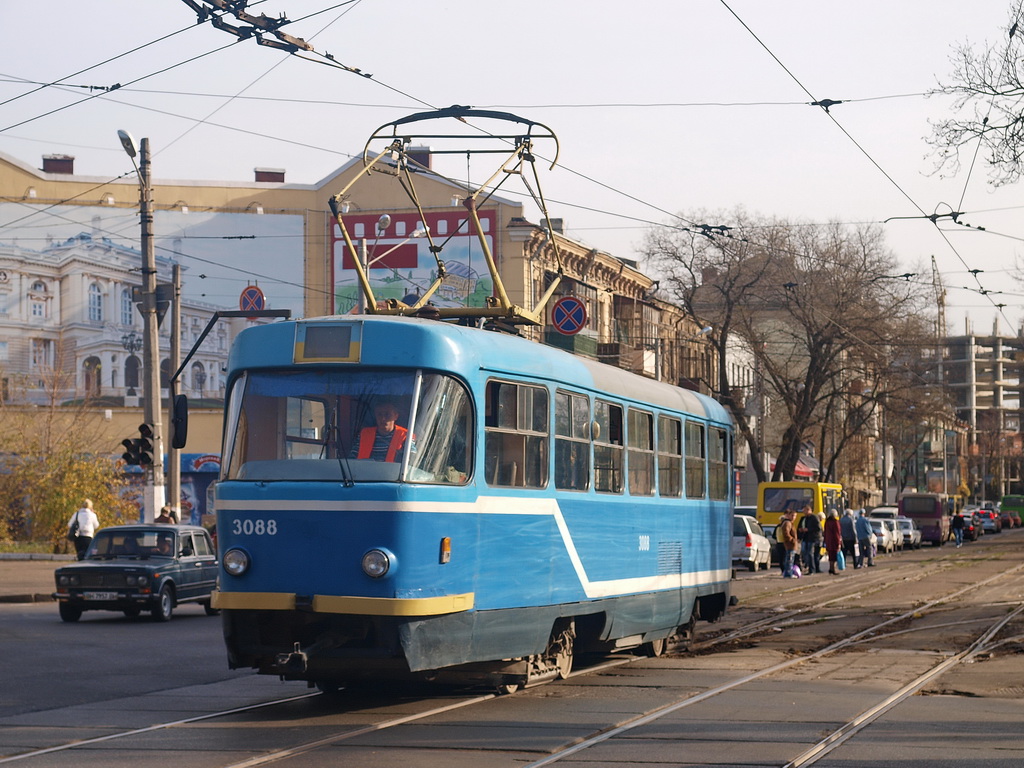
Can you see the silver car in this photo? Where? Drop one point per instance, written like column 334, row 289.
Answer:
column 749, row 544
column 884, row 533
column 911, row 533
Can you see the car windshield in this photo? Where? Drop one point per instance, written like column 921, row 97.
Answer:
column 349, row 425
column 132, row 545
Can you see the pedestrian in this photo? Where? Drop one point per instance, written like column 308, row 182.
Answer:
column 864, row 534
column 166, row 515
column 849, row 535
column 790, row 542
column 780, row 547
column 809, row 531
column 87, row 524
column 833, row 540
column 957, row 524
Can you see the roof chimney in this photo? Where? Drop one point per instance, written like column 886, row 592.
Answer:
column 421, row 156
column 273, row 175
column 58, row 164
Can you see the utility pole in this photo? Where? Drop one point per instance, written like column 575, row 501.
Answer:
column 174, row 454
column 154, row 493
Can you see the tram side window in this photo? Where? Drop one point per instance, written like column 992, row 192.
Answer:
column 608, row 447
column 443, row 433
column 718, row 463
column 670, row 457
column 516, row 435
column 640, row 457
column 572, row 442
column 695, row 460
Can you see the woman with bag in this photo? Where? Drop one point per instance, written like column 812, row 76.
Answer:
column 833, row 539
column 82, row 527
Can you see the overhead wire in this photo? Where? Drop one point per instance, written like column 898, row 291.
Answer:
column 825, row 104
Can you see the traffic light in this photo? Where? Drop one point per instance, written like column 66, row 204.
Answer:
column 144, row 445
column 131, row 452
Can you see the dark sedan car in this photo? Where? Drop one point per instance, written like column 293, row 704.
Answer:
column 132, row 568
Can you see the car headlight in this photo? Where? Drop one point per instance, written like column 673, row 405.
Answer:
column 236, row 561
column 136, row 580
column 376, row 563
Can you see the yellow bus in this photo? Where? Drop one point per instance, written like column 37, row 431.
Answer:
column 774, row 498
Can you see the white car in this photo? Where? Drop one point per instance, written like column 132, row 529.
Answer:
column 883, row 532
column 911, row 533
column 749, row 544
column 886, row 512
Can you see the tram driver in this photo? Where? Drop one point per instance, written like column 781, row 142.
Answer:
column 383, row 442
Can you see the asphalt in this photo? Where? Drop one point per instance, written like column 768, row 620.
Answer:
column 29, row 578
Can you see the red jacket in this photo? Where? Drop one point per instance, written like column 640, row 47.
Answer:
column 368, row 435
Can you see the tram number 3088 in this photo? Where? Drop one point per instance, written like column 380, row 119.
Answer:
column 254, row 527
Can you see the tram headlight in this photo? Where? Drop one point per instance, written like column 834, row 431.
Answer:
column 376, row 563
column 236, row 561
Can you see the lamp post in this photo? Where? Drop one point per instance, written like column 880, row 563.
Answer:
column 131, row 344
column 154, row 494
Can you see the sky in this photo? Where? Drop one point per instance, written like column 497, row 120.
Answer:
column 695, row 108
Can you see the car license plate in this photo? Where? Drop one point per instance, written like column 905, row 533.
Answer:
column 100, row 595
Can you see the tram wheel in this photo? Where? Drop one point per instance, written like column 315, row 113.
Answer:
column 506, row 688
column 654, row 648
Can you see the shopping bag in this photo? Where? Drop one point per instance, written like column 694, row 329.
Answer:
column 840, row 560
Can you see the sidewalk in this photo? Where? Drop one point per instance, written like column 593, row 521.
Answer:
column 28, row 578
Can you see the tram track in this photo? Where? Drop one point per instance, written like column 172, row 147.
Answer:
column 786, row 620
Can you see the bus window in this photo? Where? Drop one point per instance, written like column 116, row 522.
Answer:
column 516, row 435
column 640, row 458
column 718, row 463
column 670, row 457
column 695, row 460
column 608, row 447
column 572, row 442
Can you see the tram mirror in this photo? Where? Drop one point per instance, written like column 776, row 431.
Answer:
column 595, row 430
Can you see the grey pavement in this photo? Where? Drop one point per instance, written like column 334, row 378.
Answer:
column 28, row 578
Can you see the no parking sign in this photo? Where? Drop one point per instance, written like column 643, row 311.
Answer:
column 569, row 315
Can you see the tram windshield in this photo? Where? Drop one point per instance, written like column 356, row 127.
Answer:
column 349, row 426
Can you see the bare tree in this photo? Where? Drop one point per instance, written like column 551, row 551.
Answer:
column 988, row 87
column 714, row 271
column 819, row 308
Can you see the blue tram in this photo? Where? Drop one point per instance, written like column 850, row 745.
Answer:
column 538, row 505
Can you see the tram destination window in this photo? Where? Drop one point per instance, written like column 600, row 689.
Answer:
column 640, row 457
column 696, row 461
column 670, row 457
column 608, row 447
column 572, row 441
column 516, row 435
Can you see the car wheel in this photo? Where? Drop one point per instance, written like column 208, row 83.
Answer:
column 210, row 610
column 165, row 604
column 70, row 612
column 752, row 565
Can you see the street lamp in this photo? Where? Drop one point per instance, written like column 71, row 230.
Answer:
column 154, row 494
column 131, row 344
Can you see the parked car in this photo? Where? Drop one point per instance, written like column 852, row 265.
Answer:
column 911, row 533
column 885, row 512
column 749, row 544
column 990, row 521
column 1009, row 518
column 132, row 568
column 886, row 541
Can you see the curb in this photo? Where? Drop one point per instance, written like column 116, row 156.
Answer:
column 31, row 598
column 33, row 556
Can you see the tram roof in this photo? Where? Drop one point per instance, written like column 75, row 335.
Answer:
column 469, row 351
